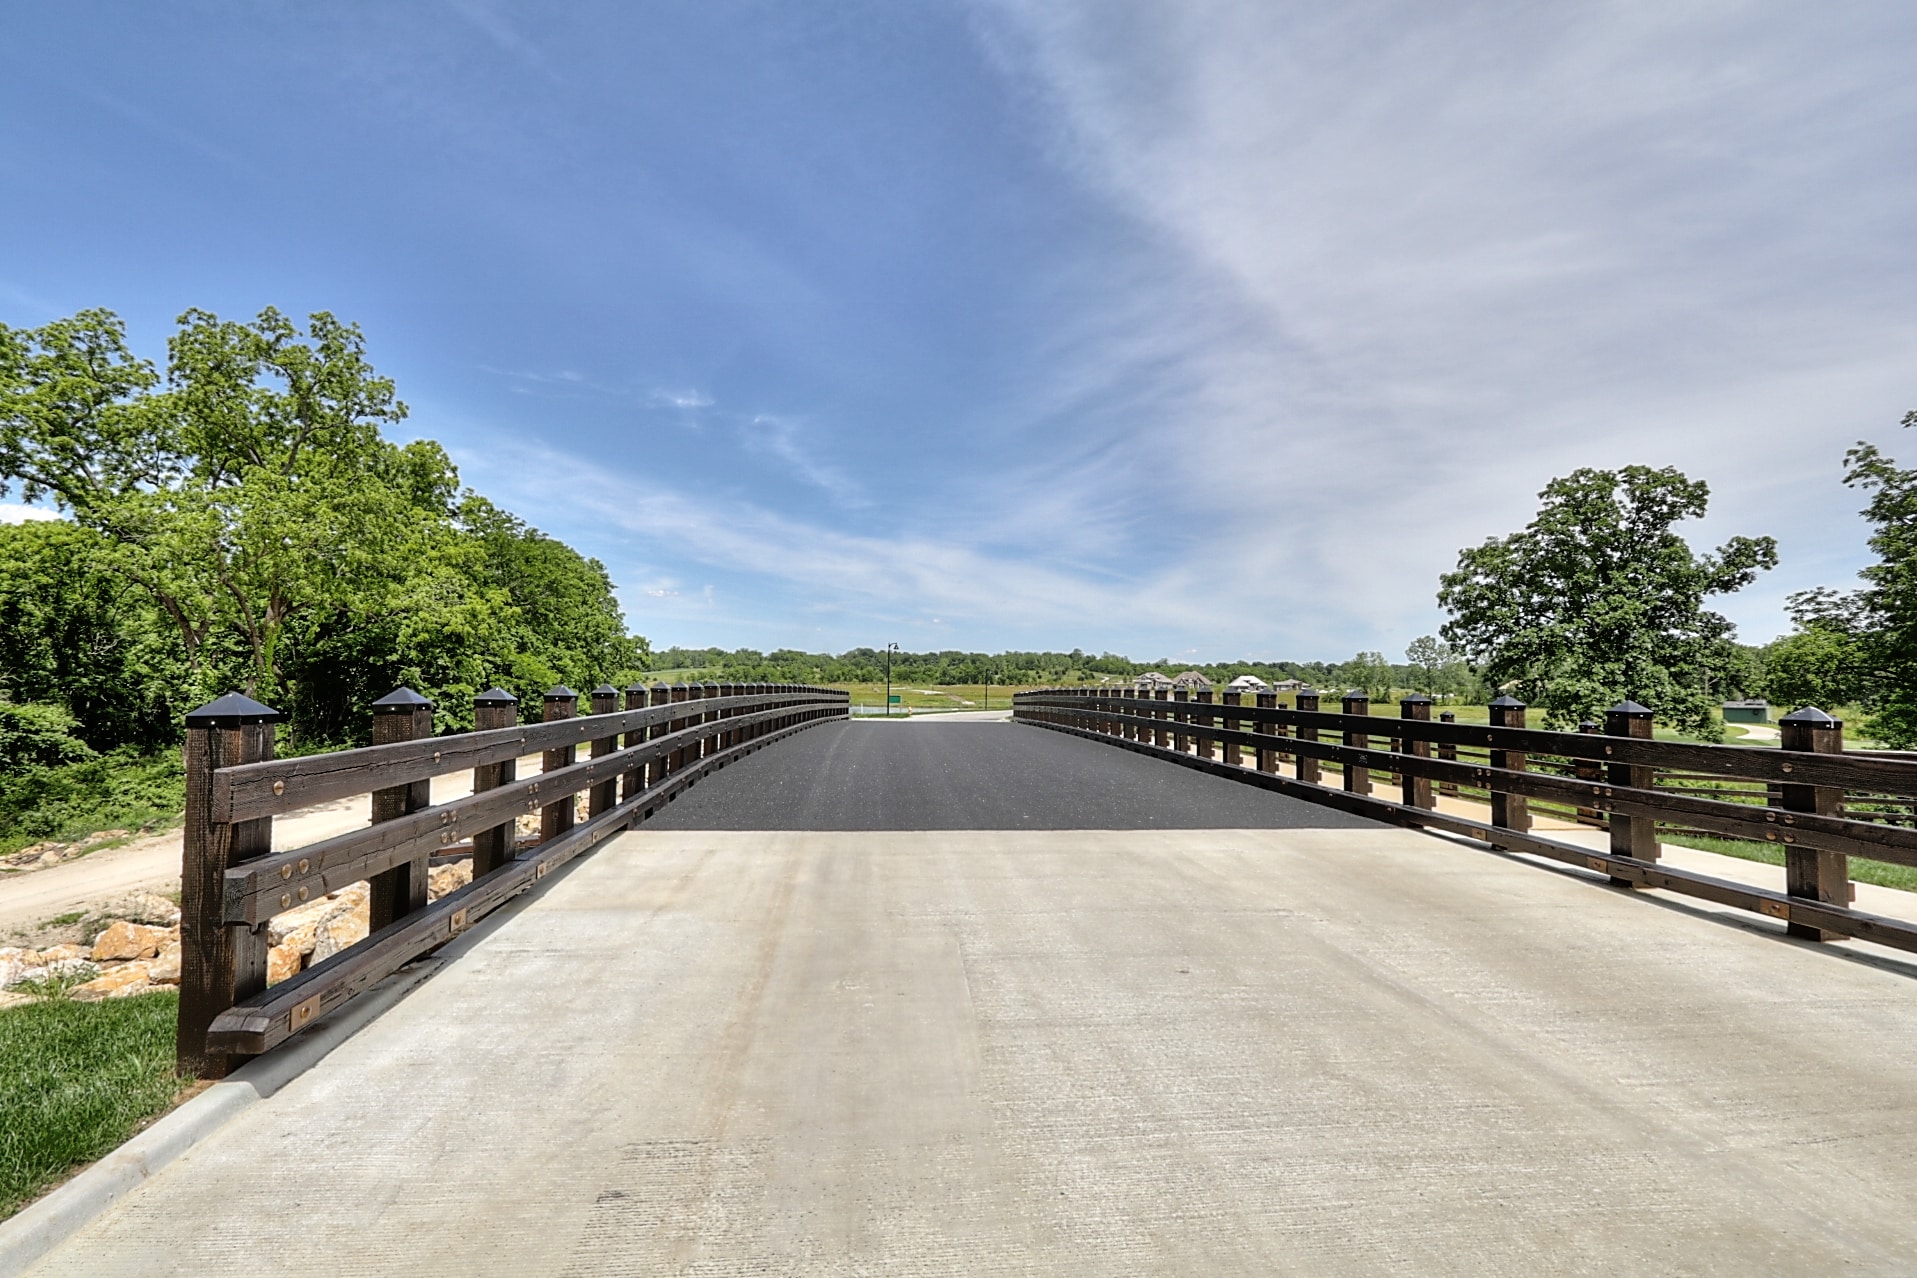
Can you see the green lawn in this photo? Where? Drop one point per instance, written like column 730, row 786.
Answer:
column 1862, row 870
column 77, row 1079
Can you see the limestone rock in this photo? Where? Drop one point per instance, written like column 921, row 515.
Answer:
column 67, row 953
column 125, row 940
column 349, row 922
column 282, row 961
column 13, row 1000
column 115, row 982
column 165, row 970
column 442, row 879
column 144, row 907
column 297, row 921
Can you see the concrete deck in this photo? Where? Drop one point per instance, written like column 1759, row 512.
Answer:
column 1314, row 1051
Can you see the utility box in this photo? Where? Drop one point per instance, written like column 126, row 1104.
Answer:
column 1758, row 711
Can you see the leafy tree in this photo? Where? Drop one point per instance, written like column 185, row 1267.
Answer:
column 1862, row 646
column 1435, row 667
column 1598, row 599
column 1370, row 674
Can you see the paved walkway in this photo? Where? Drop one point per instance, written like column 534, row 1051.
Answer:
column 1168, row 1051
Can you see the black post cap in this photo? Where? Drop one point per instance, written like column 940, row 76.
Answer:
column 234, row 710
column 1416, row 699
column 561, row 693
column 1506, row 699
column 1631, row 708
column 401, row 701
column 635, row 686
column 605, row 690
column 1357, row 695
column 1811, row 715
column 495, row 697
column 1447, row 716
column 1588, row 725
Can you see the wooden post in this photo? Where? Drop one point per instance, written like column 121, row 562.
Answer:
column 604, row 797
column 634, row 779
column 1448, row 752
column 1207, row 747
column 400, row 715
column 220, row 963
column 1161, row 735
column 1632, row 836
column 1357, row 776
column 495, row 708
column 556, row 814
column 1811, row 873
column 1265, row 757
column 656, row 770
column 1590, row 770
column 1180, row 741
column 1416, row 790
column 1508, row 811
column 728, row 738
column 676, row 757
column 1306, row 700
column 1234, row 754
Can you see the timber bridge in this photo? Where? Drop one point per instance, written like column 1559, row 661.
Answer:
column 1133, row 983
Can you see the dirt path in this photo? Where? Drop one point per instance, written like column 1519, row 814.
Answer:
column 29, row 899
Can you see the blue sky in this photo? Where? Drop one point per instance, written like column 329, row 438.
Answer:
column 1207, row 329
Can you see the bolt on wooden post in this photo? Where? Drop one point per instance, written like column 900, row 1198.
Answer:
column 604, row 796
column 495, row 708
column 1812, row 874
column 1416, row 790
column 556, row 813
column 220, row 963
column 1357, row 775
column 400, row 715
column 1447, row 753
column 1508, row 811
column 1306, row 702
column 1265, row 757
column 1632, row 836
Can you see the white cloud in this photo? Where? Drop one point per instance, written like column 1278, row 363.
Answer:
column 15, row 513
column 1412, row 261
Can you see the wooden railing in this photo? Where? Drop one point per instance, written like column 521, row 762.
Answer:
column 234, row 880
column 1817, row 804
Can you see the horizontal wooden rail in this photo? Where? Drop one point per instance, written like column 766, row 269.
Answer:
column 1799, row 912
column 1736, row 820
column 1854, row 770
column 234, row 881
column 261, row 888
column 279, row 786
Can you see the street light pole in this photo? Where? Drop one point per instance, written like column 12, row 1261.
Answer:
column 890, row 648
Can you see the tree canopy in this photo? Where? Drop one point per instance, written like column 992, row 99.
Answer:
column 1599, row 600
column 272, row 534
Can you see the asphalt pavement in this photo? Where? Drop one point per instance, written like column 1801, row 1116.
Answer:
column 866, row 775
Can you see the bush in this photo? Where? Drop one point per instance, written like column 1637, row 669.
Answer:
column 120, row 790
column 35, row 736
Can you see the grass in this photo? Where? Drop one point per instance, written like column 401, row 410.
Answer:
column 77, row 1079
column 1863, row 870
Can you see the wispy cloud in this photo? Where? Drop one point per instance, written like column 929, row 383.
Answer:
column 682, row 399
column 16, row 513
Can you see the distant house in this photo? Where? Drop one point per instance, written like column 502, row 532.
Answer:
column 1247, row 683
column 1758, row 711
column 1192, row 681
column 1290, row 685
column 1151, row 681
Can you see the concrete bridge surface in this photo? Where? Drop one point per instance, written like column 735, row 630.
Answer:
column 977, row 998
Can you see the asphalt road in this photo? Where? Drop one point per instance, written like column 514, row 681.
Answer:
column 974, row 776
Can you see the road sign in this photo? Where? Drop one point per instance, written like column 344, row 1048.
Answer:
column 894, row 699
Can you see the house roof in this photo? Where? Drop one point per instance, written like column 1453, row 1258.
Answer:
column 1191, row 678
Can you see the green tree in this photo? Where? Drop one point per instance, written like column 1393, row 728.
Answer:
column 1369, row 673
column 1862, row 646
column 1598, row 599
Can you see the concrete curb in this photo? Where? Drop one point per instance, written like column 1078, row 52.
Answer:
column 44, row 1225
column 26, row 1238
